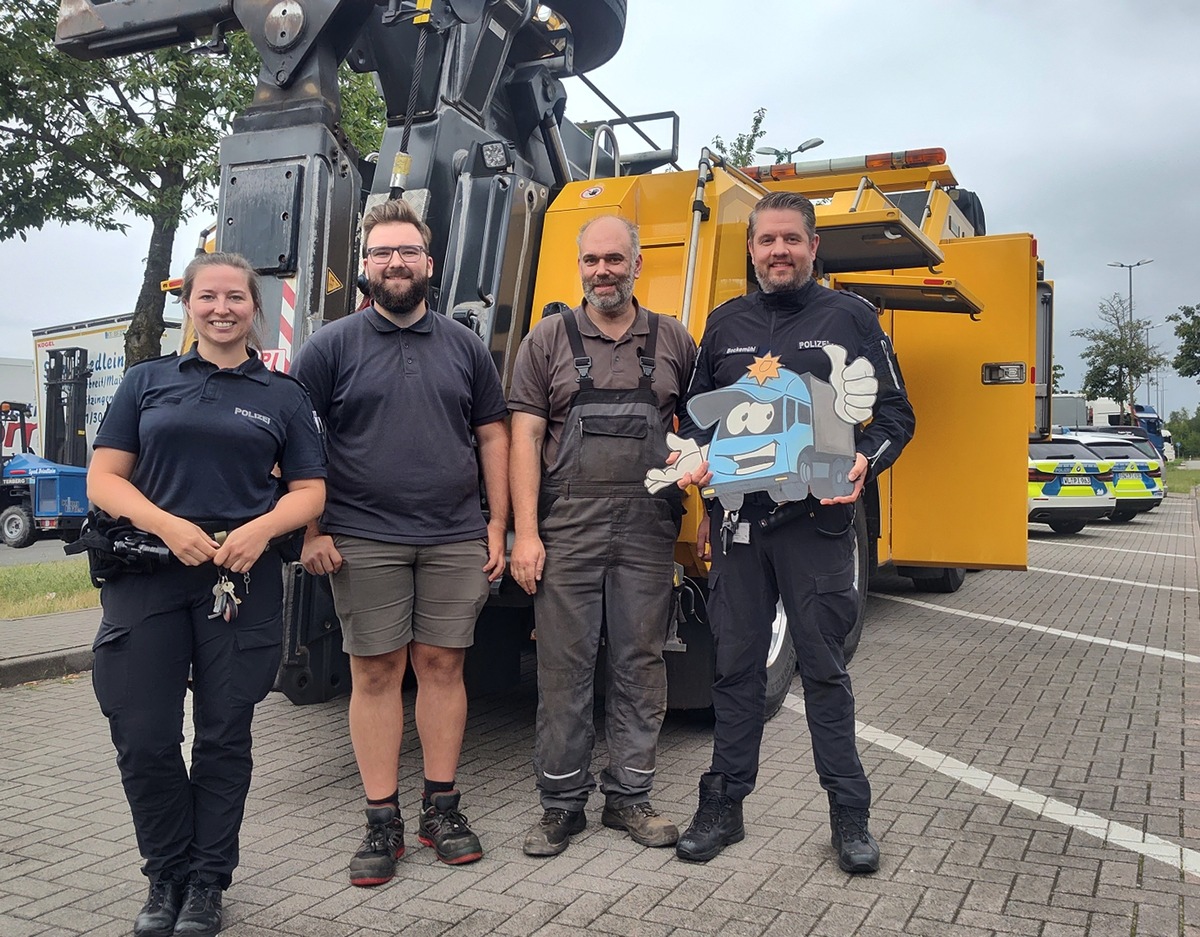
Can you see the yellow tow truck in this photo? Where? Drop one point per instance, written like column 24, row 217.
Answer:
column 477, row 139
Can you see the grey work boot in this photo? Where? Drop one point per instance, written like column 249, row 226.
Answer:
column 643, row 823
column 717, row 824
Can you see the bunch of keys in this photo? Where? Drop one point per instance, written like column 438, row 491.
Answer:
column 225, row 602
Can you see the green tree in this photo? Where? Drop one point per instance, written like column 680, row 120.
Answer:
column 1187, row 330
column 93, row 142
column 1056, row 378
column 1118, row 355
column 741, row 151
column 1185, row 432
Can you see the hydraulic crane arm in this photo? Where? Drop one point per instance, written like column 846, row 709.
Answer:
column 96, row 29
column 93, row 29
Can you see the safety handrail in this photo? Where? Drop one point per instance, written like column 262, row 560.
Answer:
column 604, row 130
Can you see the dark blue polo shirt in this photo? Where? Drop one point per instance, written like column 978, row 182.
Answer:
column 399, row 406
column 206, row 439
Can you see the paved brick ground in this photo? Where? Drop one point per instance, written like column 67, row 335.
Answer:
column 1101, row 728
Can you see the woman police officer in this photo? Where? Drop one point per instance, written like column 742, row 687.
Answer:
column 187, row 448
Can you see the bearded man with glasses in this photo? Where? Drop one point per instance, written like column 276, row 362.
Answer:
column 402, row 391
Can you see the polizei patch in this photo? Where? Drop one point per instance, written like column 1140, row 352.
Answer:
column 250, row 414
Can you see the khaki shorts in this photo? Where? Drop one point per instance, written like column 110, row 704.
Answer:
column 390, row 594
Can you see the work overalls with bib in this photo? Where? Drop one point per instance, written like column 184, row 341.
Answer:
column 609, row 553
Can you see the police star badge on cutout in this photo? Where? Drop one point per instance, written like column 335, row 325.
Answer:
column 784, row 433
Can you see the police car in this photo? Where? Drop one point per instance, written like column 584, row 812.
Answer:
column 1069, row 485
column 1137, row 478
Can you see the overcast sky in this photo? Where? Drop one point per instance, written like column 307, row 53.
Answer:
column 1076, row 121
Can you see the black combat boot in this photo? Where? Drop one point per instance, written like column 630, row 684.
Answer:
column 157, row 917
column 856, row 847
column 201, row 912
column 717, row 824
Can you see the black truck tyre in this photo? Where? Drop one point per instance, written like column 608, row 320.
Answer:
column 1067, row 527
column 948, row 579
column 598, row 26
column 1122, row 517
column 16, row 526
column 690, row 673
column 781, row 666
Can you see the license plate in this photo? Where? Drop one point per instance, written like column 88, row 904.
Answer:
column 1128, row 476
column 1077, row 480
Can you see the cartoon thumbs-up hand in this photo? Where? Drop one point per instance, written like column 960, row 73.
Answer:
column 686, row 464
column 854, row 385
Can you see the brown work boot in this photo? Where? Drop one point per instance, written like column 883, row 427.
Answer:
column 643, row 823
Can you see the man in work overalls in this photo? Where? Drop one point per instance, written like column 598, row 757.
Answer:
column 594, row 392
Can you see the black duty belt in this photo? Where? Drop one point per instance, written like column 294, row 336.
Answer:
column 573, row 489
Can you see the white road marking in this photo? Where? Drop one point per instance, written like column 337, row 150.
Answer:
column 1109, row 831
column 1122, row 582
column 1066, row 538
column 1057, row 632
column 1087, row 546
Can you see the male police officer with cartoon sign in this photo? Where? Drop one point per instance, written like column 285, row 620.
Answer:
column 766, row 358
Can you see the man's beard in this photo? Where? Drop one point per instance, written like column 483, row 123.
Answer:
column 610, row 302
column 399, row 295
column 800, row 274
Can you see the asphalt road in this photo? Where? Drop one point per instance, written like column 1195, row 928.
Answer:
column 40, row 551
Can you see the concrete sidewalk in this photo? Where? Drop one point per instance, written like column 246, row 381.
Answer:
column 44, row 646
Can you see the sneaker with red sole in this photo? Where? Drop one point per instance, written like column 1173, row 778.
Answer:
column 445, row 829
column 375, row 861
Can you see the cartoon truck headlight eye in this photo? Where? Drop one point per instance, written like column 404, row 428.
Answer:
column 752, row 418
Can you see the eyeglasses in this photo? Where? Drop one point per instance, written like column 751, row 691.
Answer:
column 409, row 253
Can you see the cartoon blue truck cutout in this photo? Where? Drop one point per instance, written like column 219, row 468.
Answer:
column 779, row 435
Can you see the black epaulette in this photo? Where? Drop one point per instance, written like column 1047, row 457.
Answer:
column 862, row 299
column 726, row 306
column 287, row 377
column 173, row 354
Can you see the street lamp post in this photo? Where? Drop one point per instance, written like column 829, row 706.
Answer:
column 1151, row 377
column 1129, row 267
column 783, row 156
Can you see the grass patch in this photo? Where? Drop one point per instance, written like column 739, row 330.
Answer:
column 42, row 588
column 1182, row 481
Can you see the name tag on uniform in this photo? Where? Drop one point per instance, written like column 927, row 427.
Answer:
column 741, row 533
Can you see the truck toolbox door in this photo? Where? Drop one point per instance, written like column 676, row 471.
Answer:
column 958, row 491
